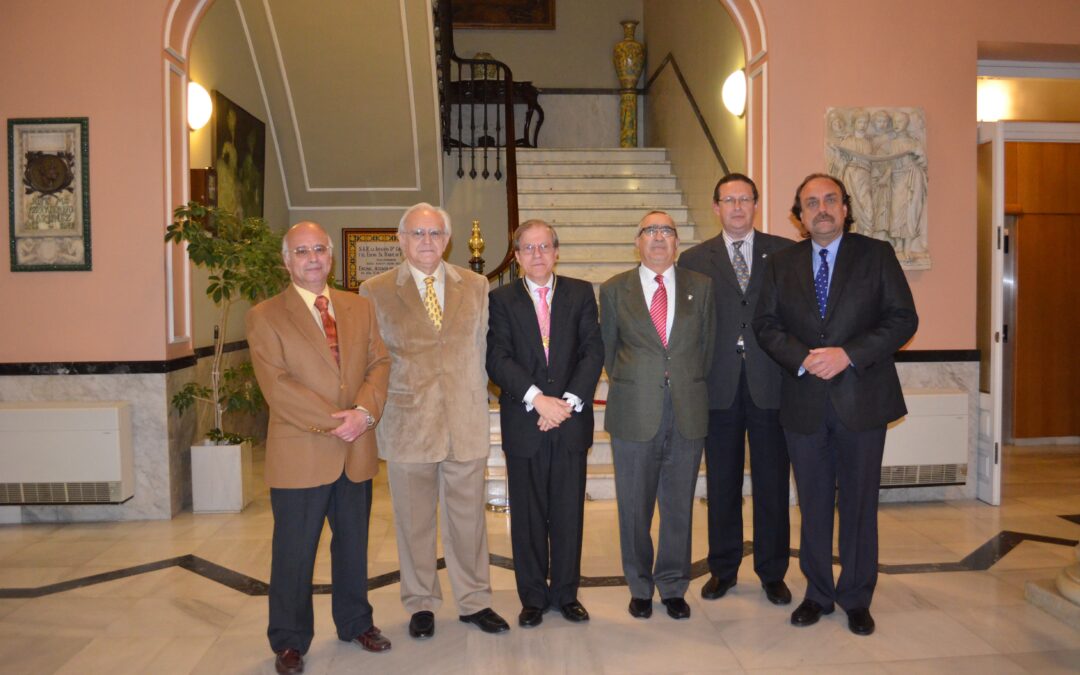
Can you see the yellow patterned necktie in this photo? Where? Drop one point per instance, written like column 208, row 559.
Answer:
column 431, row 303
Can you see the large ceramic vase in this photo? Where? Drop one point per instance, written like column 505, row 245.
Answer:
column 629, row 58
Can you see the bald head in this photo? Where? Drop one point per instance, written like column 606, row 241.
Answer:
column 308, row 253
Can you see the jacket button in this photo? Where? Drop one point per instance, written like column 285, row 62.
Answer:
column 744, row 325
column 744, row 303
column 551, row 381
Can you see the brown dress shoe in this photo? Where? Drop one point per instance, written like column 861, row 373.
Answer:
column 289, row 662
column 372, row 640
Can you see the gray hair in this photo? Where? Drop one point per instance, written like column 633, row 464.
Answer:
column 421, row 207
column 530, row 224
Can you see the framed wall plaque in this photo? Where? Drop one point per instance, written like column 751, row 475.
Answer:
column 505, row 14
column 49, row 194
column 367, row 252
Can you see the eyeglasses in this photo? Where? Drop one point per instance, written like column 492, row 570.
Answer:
column 305, row 251
column 542, row 248
column 419, row 233
column 665, row 231
column 743, row 201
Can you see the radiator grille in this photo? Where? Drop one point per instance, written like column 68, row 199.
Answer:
column 60, row 493
column 923, row 474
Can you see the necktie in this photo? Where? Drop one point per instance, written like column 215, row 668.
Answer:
column 431, row 303
column 742, row 270
column 658, row 309
column 329, row 326
column 821, row 282
column 543, row 314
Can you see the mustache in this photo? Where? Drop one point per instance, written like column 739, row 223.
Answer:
column 823, row 217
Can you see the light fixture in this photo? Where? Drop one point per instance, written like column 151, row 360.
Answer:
column 198, row 106
column 992, row 100
column 734, row 93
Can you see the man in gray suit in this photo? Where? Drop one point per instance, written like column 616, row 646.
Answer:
column 744, row 400
column 658, row 324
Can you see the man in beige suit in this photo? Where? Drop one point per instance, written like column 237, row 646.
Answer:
column 434, row 433
column 323, row 368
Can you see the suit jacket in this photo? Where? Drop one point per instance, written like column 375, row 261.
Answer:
column 516, row 362
column 304, row 384
column 636, row 360
column 437, row 405
column 735, row 312
column 869, row 312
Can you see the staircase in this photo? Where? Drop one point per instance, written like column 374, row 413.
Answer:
column 594, row 199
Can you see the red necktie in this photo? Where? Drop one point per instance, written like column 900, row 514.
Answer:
column 658, row 309
column 329, row 325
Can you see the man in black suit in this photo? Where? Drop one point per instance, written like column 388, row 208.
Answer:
column 744, row 399
column 545, row 353
column 833, row 311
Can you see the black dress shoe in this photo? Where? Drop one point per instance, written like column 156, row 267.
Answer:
column 530, row 617
column 574, row 611
column 716, row 587
column 777, row 592
column 486, row 620
column 677, row 608
column 289, row 662
column 641, row 608
column 808, row 613
column 860, row 622
column 422, row 625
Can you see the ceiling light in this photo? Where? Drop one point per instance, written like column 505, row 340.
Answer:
column 734, row 93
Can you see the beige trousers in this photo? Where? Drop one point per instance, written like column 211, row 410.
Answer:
column 415, row 489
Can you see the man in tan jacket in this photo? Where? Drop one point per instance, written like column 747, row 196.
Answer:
column 323, row 369
column 435, row 434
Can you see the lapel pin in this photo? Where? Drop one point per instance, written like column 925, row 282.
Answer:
column 690, row 297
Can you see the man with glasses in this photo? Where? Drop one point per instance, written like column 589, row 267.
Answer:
column 658, row 323
column 434, row 434
column 833, row 311
column 744, row 400
column 545, row 353
column 323, row 369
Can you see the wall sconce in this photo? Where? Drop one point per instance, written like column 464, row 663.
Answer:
column 199, row 106
column 992, row 100
column 734, row 93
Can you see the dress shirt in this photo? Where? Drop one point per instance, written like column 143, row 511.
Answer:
column 440, row 282
column 309, row 299
column 832, row 248
column 648, row 285
column 575, row 402
column 747, row 248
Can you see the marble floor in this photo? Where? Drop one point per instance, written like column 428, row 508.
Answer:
column 188, row 596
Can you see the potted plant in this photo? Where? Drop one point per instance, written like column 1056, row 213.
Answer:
column 243, row 258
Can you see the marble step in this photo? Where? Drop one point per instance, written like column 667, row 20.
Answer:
column 605, row 183
column 527, row 155
column 588, row 251
column 564, row 213
column 642, row 199
column 576, row 233
column 529, row 168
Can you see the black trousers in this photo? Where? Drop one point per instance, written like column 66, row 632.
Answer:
column 838, row 466
column 298, row 522
column 547, row 507
column 725, row 455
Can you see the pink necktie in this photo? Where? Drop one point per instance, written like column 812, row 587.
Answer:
column 329, row 325
column 658, row 309
column 543, row 313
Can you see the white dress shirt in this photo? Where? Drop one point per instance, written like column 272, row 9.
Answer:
column 440, row 282
column 649, row 285
column 747, row 249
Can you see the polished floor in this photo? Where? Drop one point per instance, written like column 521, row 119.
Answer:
column 188, row 596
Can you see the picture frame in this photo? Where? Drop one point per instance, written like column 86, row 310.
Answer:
column 505, row 14
column 366, row 252
column 49, row 194
column 238, row 143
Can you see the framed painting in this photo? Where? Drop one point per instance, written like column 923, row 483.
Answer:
column 239, row 147
column 49, row 193
column 505, row 14
column 367, row 252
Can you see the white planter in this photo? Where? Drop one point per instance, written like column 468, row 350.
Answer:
column 221, row 478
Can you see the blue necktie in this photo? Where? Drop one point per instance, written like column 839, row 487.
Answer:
column 821, row 282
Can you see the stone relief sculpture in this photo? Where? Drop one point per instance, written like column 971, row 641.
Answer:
column 880, row 154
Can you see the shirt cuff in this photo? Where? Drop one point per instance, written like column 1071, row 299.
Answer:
column 529, row 396
column 576, row 403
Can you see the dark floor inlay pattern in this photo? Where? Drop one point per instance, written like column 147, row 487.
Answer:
column 1072, row 518
column 982, row 558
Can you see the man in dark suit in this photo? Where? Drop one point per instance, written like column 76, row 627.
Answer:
column 744, row 400
column 833, row 311
column 323, row 369
column 545, row 354
column 658, row 324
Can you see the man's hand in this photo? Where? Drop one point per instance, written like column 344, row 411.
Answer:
column 553, row 411
column 826, row 362
column 353, row 425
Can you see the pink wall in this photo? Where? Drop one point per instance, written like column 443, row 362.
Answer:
column 843, row 53
column 101, row 60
